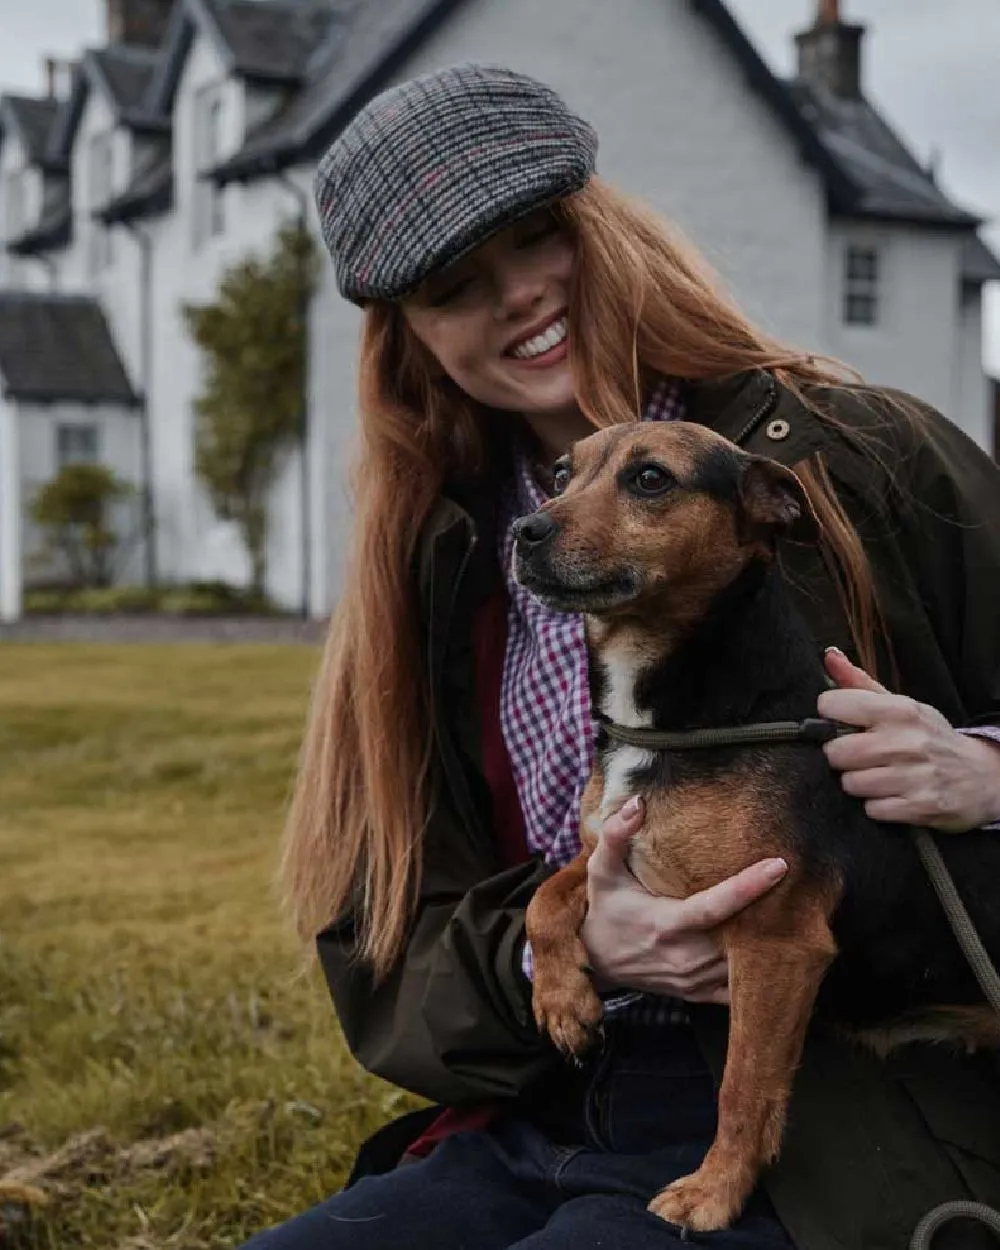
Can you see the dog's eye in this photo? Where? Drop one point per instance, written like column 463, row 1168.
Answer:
column 650, row 479
column 560, row 479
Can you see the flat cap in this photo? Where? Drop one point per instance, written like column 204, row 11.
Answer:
column 432, row 167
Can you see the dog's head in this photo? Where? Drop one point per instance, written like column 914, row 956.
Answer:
column 664, row 511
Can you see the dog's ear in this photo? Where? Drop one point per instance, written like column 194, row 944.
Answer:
column 771, row 501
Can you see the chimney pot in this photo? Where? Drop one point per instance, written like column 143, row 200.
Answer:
column 141, row 22
column 830, row 53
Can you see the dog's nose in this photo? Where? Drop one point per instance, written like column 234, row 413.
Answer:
column 532, row 531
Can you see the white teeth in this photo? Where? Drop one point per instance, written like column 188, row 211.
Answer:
column 543, row 342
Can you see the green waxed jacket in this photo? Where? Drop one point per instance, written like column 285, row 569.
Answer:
column 870, row 1145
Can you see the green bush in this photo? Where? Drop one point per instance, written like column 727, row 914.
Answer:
column 212, row 598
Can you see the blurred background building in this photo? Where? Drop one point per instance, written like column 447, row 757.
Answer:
column 154, row 161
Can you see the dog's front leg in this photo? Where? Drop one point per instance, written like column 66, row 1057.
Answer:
column 565, row 1002
column 773, row 982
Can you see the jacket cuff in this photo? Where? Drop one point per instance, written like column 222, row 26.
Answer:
column 992, row 734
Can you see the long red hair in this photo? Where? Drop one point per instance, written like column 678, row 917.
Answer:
column 642, row 304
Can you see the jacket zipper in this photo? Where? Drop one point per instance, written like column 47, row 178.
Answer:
column 764, row 410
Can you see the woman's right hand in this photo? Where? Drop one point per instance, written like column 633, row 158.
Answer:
column 641, row 941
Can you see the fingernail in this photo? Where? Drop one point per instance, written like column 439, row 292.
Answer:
column 775, row 868
column 835, row 650
column 632, row 807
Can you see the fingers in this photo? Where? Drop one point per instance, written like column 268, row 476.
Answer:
column 847, row 675
column 874, row 783
column 865, row 708
column 878, row 748
column 616, row 833
column 711, row 907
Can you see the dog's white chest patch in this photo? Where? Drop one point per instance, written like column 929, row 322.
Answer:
column 621, row 666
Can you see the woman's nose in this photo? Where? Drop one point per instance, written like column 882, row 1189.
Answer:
column 518, row 291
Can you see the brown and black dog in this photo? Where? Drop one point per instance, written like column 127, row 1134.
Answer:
column 664, row 536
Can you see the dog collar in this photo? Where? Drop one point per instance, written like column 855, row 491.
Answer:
column 815, row 730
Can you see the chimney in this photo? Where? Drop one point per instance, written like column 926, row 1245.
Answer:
column 830, row 53
column 58, row 76
column 141, row 22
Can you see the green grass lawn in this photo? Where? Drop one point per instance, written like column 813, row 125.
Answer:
column 167, row 1078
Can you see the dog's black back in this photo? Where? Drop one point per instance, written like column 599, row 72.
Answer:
column 752, row 660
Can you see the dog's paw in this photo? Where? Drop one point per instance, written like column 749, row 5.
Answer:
column 698, row 1202
column 568, row 1009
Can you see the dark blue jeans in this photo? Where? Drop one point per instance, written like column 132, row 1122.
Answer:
column 575, row 1174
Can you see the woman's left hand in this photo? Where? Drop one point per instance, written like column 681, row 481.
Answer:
column 909, row 765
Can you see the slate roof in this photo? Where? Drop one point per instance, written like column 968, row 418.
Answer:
column 151, row 190
column 274, row 40
column 372, row 41
column 56, row 348
column 33, row 119
column 866, row 169
column 126, row 73
column 54, row 225
column 889, row 182
column 334, row 55
column 979, row 264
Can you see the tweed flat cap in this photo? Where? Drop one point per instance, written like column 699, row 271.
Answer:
column 432, row 167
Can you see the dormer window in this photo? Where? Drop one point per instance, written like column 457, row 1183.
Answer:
column 209, row 218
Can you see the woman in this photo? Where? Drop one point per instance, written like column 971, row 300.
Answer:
column 513, row 303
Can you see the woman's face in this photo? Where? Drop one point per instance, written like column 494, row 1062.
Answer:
column 495, row 321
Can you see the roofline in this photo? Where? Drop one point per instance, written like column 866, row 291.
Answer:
column 45, row 398
column 35, row 241
column 319, row 134
column 127, row 207
column 188, row 15
column 8, row 98
column 841, row 187
column 942, row 225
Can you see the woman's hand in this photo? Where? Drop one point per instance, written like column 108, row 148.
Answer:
column 637, row 940
column 909, row 765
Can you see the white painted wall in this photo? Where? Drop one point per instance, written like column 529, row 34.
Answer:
column 116, row 285
column 921, row 343
column 10, row 515
column 679, row 127
column 118, row 449
column 16, row 272
column 972, row 405
column 192, row 541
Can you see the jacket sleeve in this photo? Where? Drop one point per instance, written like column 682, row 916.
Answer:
column 949, row 515
column 452, row 1021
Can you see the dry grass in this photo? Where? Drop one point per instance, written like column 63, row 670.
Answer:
column 166, row 1080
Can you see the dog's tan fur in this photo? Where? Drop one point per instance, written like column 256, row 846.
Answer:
column 780, row 947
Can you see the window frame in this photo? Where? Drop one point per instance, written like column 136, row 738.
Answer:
column 862, row 270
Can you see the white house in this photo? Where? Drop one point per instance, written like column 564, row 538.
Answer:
column 184, row 142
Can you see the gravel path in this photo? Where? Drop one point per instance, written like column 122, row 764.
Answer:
column 151, row 628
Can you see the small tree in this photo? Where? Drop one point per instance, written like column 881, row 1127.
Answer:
column 253, row 402
column 73, row 510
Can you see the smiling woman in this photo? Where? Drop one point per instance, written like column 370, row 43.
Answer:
column 513, row 303
column 495, row 322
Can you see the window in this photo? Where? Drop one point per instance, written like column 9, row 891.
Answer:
column 209, row 218
column 861, row 282
column 76, row 444
column 100, row 184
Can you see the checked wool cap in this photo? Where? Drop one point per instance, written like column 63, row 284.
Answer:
column 431, row 168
